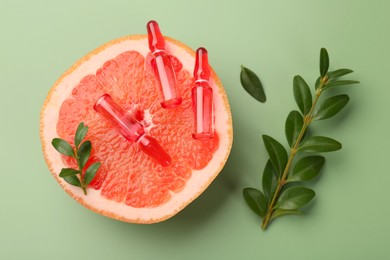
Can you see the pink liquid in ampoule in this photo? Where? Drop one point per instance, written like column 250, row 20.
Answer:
column 162, row 67
column 128, row 126
column 131, row 128
column 202, row 98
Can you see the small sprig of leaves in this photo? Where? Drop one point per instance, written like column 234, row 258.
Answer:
column 81, row 153
column 283, row 193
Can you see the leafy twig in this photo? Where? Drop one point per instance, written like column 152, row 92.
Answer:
column 81, row 153
column 276, row 199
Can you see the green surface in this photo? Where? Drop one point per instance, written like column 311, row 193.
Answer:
column 349, row 218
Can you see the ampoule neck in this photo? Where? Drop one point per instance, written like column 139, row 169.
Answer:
column 202, row 83
column 158, row 52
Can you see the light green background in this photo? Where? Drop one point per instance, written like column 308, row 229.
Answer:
column 349, row 218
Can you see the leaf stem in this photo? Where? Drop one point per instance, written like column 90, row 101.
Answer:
column 82, row 182
column 294, row 149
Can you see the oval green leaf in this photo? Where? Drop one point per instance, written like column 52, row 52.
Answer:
column 277, row 153
column 256, row 201
column 318, row 82
column 284, row 212
column 340, row 83
column 252, row 84
column 65, row 172
column 324, row 62
column 319, row 144
column 332, row 75
column 294, row 123
column 91, row 172
column 302, row 94
column 73, row 180
column 270, row 180
column 330, row 107
column 62, row 147
column 81, row 132
column 84, row 152
column 295, row 198
column 307, row 168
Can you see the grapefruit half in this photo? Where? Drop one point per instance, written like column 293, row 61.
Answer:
column 129, row 186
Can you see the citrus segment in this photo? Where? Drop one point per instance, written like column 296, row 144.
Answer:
column 129, row 185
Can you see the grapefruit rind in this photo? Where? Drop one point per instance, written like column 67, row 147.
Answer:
column 200, row 179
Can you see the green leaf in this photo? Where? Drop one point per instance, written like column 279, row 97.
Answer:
column 319, row 144
column 302, row 94
column 91, row 172
column 318, row 82
column 270, row 180
column 330, row 107
column 84, row 152
column 284, row 212
column 295, row 198
column 256, row 201
column 65, row 172
column 81, row 132
column 307, row 168
column 294, row 123
column 332, row 75
column 252, row 84
column 340, row 83
column 63, row 147
column 324, row 62
column 277, row 153
column 73, row 180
